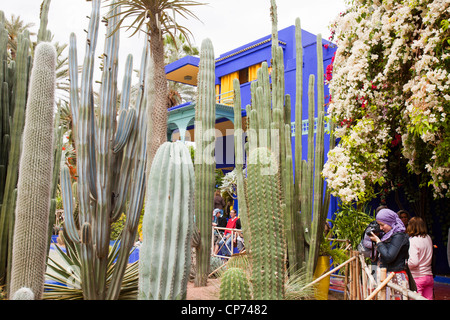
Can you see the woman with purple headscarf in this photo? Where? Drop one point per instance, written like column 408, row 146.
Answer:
column 393, row 246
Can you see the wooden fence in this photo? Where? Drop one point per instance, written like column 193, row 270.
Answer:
column 360, row 284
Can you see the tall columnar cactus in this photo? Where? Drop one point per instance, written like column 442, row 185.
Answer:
column 305, row 219
column 314, row 201
column 266, row 225
column 111, row 160
column 35, row 177
column 204, row 163
column 239, row 160
column 165, row 254
column 14, row 78
column 298, row 193
column 234, row 285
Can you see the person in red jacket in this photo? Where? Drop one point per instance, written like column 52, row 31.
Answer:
column 233, row 223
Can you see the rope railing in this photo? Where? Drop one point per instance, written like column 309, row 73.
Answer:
column 361, row 284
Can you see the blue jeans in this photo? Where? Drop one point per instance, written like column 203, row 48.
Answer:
column 226, row 249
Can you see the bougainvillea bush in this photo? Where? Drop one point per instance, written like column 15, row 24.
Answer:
column 390, row 95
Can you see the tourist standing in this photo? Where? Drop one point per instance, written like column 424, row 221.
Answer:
column 219, row 203
column 420, row 256
column 393, row 248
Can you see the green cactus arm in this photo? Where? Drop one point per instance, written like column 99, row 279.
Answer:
column 136, row 147
column 87, row 262
column 126, row 115
column 43, row 33
column 127, row 119
column 73, row 75
column 68, row 204
column 310, row 172
column 290, row 222
column 84, row 163
column 239, row 159
column 167, row 225
column 205, row 162
column 141, row 123
column 298, row 146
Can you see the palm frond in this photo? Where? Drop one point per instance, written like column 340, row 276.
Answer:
column 156, row 15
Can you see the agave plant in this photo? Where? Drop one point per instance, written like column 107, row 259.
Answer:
column 67, row 275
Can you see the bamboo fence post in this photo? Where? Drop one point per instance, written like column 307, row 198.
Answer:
column 357, row 274
column 364, row 277
column 353, row 278
column 404, row 291
column 372, row 283
column 346, row 293
column 328, row 273
column 382, row 293
column 350, row 280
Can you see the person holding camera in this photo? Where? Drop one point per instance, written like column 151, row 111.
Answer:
column 392, row 248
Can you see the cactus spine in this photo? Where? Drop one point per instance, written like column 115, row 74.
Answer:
column 204, row 159
column 35, row 176
column 111, row 161
column 234, row 285
column 165, row 254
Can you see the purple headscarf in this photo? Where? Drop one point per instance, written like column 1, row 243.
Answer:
column 390, row 218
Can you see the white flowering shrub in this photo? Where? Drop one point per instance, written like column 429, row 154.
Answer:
column 390, row 90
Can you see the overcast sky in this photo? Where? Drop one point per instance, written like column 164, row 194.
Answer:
column 228, row 23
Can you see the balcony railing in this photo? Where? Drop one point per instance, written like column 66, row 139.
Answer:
column 226, row 247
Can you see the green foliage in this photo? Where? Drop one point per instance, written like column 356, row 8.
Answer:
column 66, row 271
column 349, row 223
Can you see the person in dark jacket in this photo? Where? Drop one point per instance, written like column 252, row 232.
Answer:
column 219, row 203
column 392, row 248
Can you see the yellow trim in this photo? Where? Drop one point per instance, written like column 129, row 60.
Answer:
column 252, row 71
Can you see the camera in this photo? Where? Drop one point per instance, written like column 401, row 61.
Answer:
column 373, row 227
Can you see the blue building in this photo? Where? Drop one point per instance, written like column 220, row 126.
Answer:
column 242, row 63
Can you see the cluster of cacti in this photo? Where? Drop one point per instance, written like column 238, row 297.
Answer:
column 234, row 285
column 283, row 206
column 14, row 79
column 111, row 160
column 15, row 72
column 266, row 225
column 13, row 76
column 165, row 254
column 35, row 176
column 204, row 161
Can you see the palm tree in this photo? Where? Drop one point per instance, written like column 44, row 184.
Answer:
column 176, row 48
column 15, row 26
column 157, row 18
